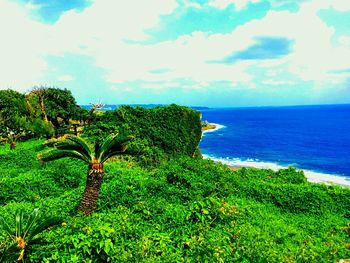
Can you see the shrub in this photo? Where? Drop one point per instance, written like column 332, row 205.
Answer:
column 171, row 129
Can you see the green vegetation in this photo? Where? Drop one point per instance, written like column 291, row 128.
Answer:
column 42, row 112
column 75, row 147
column 159, row 132
column 24, row 234
column 184, row 209
column 165, row 204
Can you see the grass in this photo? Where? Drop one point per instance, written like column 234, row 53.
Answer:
column 185, row 210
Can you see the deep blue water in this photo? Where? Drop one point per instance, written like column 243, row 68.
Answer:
column 315, row 138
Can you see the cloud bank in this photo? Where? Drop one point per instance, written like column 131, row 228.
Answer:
column 283, row 50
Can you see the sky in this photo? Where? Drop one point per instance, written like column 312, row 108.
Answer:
column 216, row 53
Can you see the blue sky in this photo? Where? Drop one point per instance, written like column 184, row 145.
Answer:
column 204, row 52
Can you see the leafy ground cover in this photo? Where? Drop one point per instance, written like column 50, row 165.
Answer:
column 183, row 210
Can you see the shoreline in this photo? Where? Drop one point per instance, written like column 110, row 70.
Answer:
column 311, row 176
column 212, row 127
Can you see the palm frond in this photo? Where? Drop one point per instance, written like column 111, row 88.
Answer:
column 105, row 145
column 113, row 145
column 49, row 222
column 82, row 143
column 24, row 233
column 56, row 154
column 5, row 226
column 19, row 223
column 68, row 145
column 10, row 253
column 113, row 153
column 97, row 149
column 31, row 221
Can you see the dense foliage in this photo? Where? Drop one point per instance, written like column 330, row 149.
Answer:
column 59, row 104
column 12, row 108
column 41, row 112
column 184, row 210
column 169, row 129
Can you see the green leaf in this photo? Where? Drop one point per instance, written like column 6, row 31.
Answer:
column 19, row 222
column 58, row 154
column 5, row 226
column 49, row 222
column 31, row 221
column 85, row 148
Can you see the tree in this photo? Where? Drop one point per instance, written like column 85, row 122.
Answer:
column 76, row 147
column 24, row 234
column 12, row 107
column 38, row 92
column 59, row 103
column 52, row 105
column 94, row 107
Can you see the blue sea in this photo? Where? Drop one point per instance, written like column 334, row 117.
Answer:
column 315, row 139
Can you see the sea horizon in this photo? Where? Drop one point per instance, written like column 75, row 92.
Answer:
column 278, row 137
column 150, row 105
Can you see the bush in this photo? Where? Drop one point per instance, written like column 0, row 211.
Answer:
column 171, row 129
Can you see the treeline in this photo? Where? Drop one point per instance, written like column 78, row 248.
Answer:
column 41, row 112
column 158, row 132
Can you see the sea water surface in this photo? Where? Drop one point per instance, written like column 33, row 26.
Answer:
column 315, row 139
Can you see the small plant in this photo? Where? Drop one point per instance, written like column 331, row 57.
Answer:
column 24, row 233
column 11, row 139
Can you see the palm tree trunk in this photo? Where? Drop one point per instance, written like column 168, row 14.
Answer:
column 13, row 145
column 92, row 188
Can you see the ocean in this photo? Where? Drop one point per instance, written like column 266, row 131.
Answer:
column 315, row 139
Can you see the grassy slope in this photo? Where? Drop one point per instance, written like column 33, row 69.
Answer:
column 185, row 210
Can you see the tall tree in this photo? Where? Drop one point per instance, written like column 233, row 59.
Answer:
column 12, row 107
column 52, row 105
column 39, row 92
column 76, row 147
column 59, row 103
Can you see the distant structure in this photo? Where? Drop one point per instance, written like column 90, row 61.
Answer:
column 95, row 106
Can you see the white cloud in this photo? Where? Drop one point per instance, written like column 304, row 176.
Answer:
column 65, row 78
column 344, row 41
column 100, row 32
column 239, row 4
column 275, row 82
column 338, row 5
column 313, row 55
column 312, row 58
column 22, row 44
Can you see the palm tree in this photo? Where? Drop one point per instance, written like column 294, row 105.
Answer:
column 11, row 138
column 24, row 233
column 76, row 147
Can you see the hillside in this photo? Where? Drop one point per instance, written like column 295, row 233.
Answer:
column 184, row 210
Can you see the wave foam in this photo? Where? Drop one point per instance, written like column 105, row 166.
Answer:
column 312, row 176
column 217, row 127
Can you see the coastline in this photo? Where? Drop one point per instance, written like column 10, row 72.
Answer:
column 212, row 127
column 311, row 176
column 236, row 163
